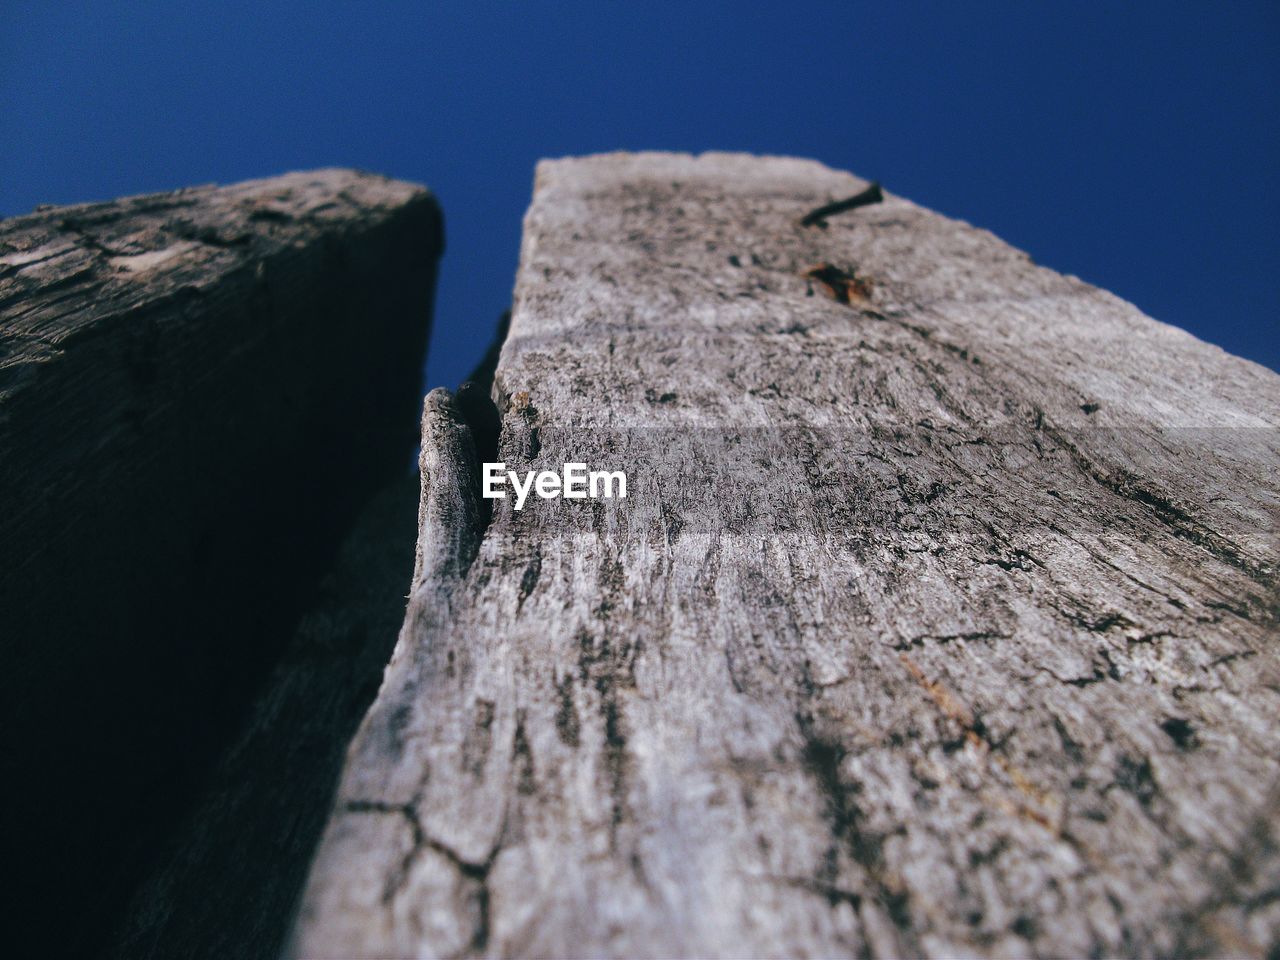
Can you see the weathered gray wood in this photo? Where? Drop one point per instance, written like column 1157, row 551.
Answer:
column 939, row 622
column 197, row 390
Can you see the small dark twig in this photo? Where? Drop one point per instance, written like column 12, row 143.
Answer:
column 819, row 216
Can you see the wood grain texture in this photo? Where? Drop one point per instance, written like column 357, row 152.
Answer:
column 940, row 622
column 197, row 391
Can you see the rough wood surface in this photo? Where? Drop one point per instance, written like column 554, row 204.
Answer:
column 941, row 621
column 197, row 390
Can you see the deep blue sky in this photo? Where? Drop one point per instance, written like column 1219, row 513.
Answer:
column 1136, row 145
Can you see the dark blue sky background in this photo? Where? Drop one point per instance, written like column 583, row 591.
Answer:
column 1136, row 145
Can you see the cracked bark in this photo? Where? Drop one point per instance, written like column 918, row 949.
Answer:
column 940, row 619
column 197, row 392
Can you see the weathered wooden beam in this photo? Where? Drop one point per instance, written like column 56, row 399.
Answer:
column 197, row 391
column 940, row 618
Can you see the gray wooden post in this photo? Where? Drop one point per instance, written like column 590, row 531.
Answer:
column 939, row 619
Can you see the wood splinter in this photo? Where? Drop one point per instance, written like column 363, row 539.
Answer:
column 818, row 216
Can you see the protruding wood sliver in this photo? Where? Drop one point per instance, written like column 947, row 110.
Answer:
column 940, row 621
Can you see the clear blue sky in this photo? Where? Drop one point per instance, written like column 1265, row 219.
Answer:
column 1136, row 145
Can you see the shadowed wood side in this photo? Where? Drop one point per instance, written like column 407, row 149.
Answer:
column 197, row 391
column 228, row 877
column 940, row 618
